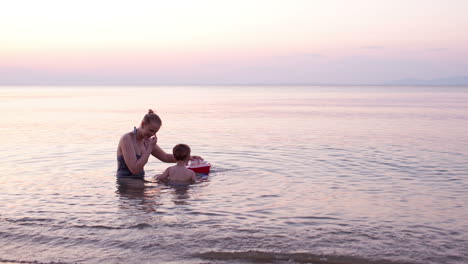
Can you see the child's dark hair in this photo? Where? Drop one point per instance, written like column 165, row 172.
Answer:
column 181, row 152
column 152, row 117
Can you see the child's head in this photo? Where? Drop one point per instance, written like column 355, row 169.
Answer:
column 181, row 152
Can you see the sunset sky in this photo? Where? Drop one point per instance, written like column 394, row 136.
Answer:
column 231, row 42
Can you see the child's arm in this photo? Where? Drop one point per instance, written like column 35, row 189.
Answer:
column 164, row 175
column 194, row 177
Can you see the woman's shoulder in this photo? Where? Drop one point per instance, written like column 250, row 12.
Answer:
column 127, row 136
column 126, row 139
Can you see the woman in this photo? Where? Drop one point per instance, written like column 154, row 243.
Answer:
column 135, row 148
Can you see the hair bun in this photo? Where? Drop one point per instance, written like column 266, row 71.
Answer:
column 151, row 117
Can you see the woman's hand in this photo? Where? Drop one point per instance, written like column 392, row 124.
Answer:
column 150, row 143
column 196, row 158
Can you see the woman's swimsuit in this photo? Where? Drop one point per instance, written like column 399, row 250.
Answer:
column 122, row 169
column 124, row 172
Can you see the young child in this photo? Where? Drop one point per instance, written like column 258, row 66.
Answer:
column 179, row 174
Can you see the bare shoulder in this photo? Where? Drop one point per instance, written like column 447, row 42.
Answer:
column 124, row 143
column 190, row 172
column 171, row 168
column 126, row 137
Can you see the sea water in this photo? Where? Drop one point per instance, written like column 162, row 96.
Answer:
column 299, row 175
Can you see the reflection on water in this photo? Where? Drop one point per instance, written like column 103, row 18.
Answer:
column 300, row 175
column 138, row 194
column 181, row 195
column 145, row 195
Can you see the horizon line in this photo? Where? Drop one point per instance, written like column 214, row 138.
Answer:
column 237, row 84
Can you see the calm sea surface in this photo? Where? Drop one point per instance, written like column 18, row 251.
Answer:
column 300, row 175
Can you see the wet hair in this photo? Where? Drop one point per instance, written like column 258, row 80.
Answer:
column 152, row 117
column 181, row 152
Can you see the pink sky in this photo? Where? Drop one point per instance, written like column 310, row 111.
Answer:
column 190, row 42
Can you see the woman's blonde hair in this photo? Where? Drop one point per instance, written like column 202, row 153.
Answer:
column 151, row 117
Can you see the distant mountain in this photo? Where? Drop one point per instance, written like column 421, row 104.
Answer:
column 449, row 81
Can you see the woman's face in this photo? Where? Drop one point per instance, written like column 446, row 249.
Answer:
column 149, row 129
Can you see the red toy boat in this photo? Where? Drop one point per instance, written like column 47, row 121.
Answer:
column 199, row 166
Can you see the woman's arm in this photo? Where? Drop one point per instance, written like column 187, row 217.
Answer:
column 161, row 155
column 128, row 151
column 195, row 158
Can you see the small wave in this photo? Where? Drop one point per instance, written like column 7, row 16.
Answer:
column 269, row 196
column 28, row 219
column 137, row 226
column 10, row 261
column 311, row 217
column 272, row 257
column 205, row 213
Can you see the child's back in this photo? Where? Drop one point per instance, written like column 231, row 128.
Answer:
column 179, row 174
